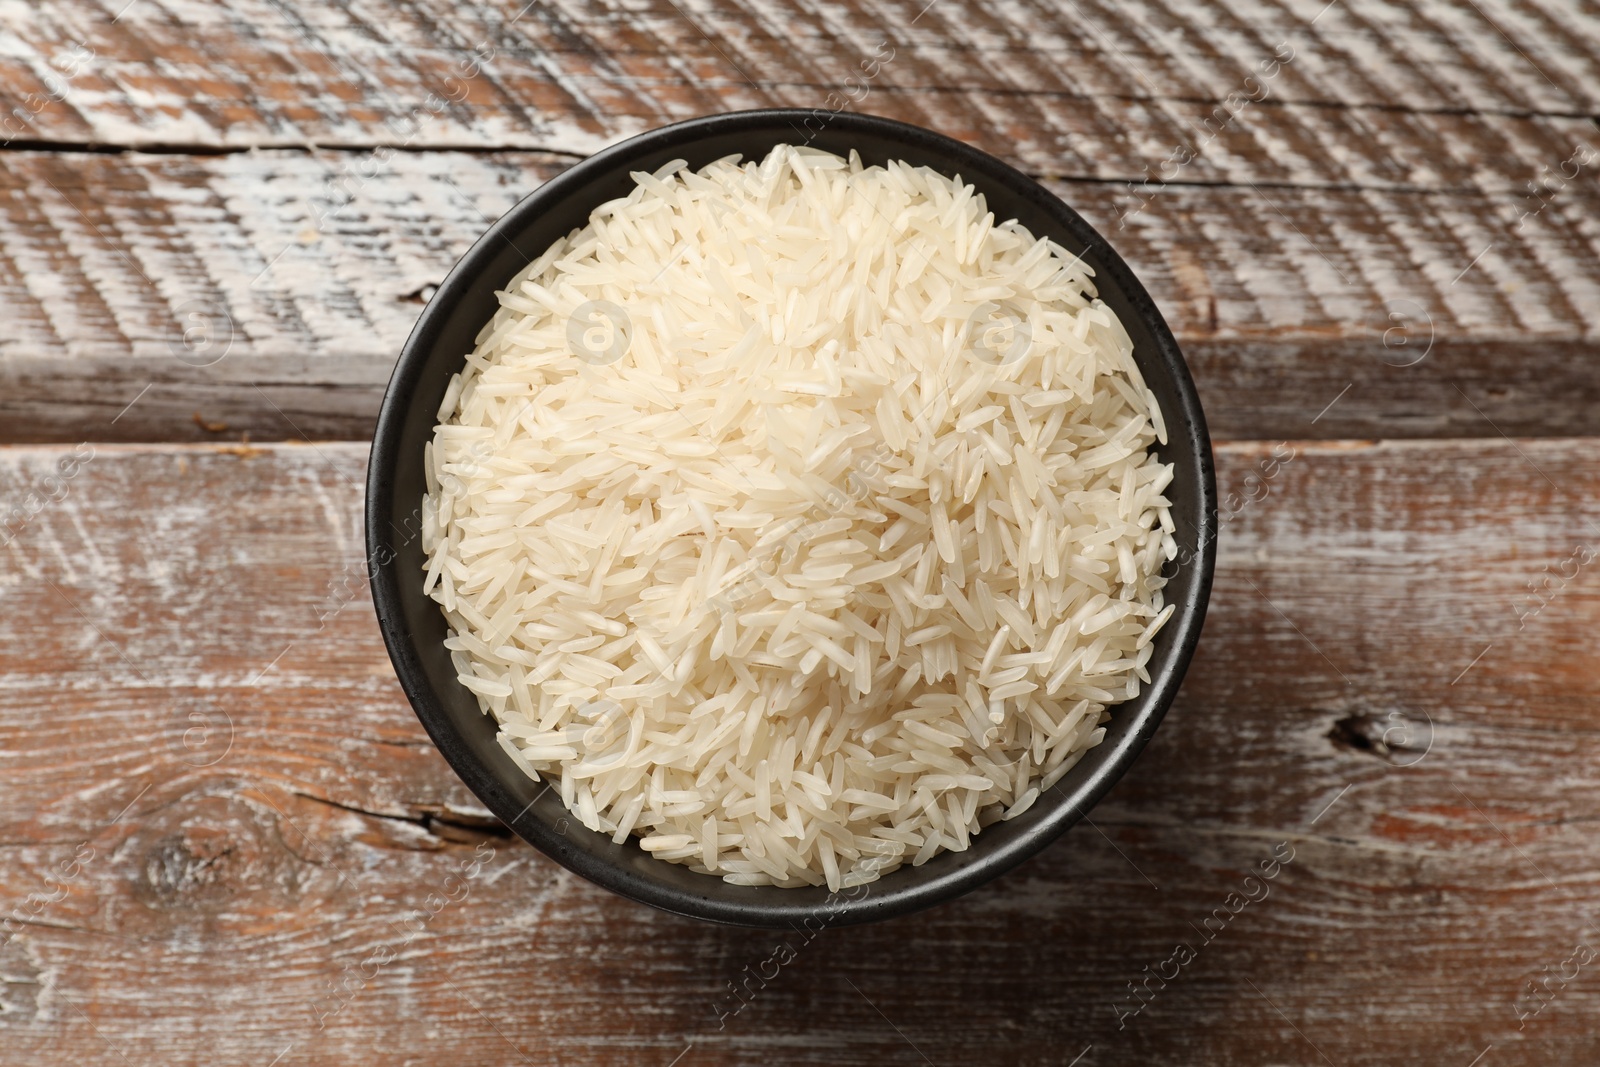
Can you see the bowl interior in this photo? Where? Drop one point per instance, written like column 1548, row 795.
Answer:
column 414, row 626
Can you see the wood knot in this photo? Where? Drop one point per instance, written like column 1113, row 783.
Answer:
column 1401, row 738
column 193, row 862
column 210, row 859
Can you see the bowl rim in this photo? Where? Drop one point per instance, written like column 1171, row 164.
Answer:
column 882, row 898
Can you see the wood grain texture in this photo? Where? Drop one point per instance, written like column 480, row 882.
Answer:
column 1086, row 80
column 224, row 838
column 271, row 292
column 219, row 811
column 1390, row 175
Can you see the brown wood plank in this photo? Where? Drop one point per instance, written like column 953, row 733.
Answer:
column 1071, row 85
column 214, row 808
column 295, row 287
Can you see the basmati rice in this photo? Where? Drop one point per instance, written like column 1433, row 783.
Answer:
column 797, row 519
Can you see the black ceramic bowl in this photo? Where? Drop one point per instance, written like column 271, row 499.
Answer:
column 414, row 626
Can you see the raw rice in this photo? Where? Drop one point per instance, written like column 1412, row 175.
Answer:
column 798, row 519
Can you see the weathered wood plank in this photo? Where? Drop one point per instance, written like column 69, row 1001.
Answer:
column 1055, row 84
column 271, row 292
column 226, row 814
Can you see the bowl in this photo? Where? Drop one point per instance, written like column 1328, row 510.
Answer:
column 413, row 625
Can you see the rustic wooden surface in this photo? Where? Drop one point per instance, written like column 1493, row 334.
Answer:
column 224, row 838
column 106, row 262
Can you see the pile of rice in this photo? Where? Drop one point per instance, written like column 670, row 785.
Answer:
column 799, row 518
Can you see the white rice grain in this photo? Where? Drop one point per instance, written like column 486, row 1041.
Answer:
column 831, row 538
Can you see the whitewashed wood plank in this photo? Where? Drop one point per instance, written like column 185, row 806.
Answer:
column 243, row 882
column 302, row 295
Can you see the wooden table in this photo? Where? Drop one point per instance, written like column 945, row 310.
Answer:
column 1374, row 228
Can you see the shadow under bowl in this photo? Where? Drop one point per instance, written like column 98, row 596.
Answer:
column 413, row 625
